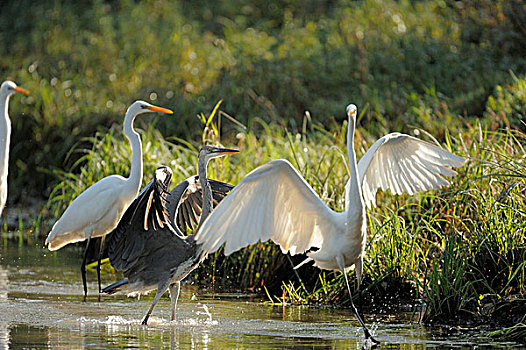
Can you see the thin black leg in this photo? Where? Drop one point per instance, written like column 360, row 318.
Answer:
column 368, row 335
column 83, row 269
column 101, row 249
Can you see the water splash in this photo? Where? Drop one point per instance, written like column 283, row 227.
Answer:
column 206, row 312
column 110, row 320
column 197, row 321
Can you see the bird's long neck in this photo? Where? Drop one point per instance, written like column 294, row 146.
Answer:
column 134, row 180
column 207, row 192
column 354, row 194
column 5, row 122
column 5, row 135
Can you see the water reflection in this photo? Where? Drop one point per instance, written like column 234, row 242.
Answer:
column 41, row 307
column 4, row 283
column 4, row 329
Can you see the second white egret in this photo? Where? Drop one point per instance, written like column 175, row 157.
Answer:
column 97, row 210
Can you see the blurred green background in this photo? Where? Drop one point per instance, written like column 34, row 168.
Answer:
column 406, row 61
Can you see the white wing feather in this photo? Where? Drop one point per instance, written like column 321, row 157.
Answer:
column 402, row 163
column 99, row 208
column 271, row 202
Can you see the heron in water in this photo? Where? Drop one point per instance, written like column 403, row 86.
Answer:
column 97, row 210
column 7, row 89
column 153, row 252
column 275, row 202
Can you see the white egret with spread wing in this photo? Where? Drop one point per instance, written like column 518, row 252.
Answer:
column 275, row 202
column 7, row 89
column 97, row 210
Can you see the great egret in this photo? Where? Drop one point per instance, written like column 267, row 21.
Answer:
column 275, row 202
column 7, row 89
column 97, row 210
column 153, row 253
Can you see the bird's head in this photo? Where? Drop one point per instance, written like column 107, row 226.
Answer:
column 8, row 88
column 139, row 107
column 352, row 111
column 210, row 152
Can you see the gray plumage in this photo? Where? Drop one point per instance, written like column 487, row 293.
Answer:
column 145, row 246
column 186, row 200
column 152, row 251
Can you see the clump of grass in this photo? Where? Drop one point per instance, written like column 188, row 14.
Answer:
column 516, row 332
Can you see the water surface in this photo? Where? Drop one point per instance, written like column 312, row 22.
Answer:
column 41, row 307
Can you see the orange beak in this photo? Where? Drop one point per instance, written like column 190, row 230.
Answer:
column 160, row 109
column 22, row 90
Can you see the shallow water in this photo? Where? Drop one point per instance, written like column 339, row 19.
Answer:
column 41, row 307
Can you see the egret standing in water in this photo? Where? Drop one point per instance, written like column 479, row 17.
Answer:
column 275, row 202
column 7, row 89
column 148, row 247
column 97, row 210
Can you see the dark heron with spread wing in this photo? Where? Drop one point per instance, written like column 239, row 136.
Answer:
column 153, row 252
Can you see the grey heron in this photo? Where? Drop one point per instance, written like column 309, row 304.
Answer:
column 97, row 210
column 153, row 253
column 7, row 89
column 275, row 202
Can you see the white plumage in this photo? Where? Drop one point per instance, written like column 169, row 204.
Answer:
column 402, row 163
column 94, row 213
column 97, row 210
column 271, row 202
column 7, row 89
column 274, row 202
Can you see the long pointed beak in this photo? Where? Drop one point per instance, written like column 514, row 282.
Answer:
column 22, row 90
column 160, row 109
column 226, row 151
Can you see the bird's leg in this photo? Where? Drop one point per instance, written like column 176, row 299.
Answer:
column 98, row 264
column 355, row 311
column 83, row 268
column 161, row 288
column 174, row 295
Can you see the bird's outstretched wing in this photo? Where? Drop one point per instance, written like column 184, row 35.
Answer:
column 271, row 202
column 185, row 201
column 139, row 225
column 145, row 245
column 402, row 163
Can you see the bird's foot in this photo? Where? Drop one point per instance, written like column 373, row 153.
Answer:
column 368, row 336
